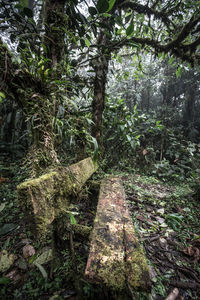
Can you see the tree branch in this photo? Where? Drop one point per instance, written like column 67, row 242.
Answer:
column 144, row 9
column 184, row 33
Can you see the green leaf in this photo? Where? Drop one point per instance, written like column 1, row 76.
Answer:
column 2, row 206
column 171, row 60
column 87, row 42
column 111, row 4
column 128, row 138
column 72, row 219
column 7, row 228
column 178, row 72
column 42, row 270
column 24, row 3
column 2, row 95
column 4, row 280
column 130, row 29
column 92, row 10
column 102, row 6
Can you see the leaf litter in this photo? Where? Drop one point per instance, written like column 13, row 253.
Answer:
column 166, row 219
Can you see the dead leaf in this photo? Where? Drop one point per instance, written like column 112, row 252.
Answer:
column 13, row 275
column 144, row 152
column 160, row 220
column 181, row 211
column 28, row 251
column 163, row 243
column 196, row 243
column 45, row 257
column 161, row 211
column 141, row 218
column 2, row 179
column 192, row 252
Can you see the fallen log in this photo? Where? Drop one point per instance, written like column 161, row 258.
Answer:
column 116, row 257
column 44, row 198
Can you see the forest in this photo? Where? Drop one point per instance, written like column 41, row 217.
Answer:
column 100, row 149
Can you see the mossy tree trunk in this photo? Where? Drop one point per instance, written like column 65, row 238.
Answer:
column 101, row 70
column 55, row 21
column 35, row 92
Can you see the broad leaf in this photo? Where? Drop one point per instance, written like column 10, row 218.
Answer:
column 102, row 6
column 28, row 12
column 111, row 4
column 2, row 206
column 87, row 42
column 7, row 228
column 92, row 10
column 72, row 219
column 130, row 29
column 42, row 270
column 4, row 280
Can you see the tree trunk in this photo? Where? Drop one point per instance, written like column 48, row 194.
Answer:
column 55, row 20
column 101, row 70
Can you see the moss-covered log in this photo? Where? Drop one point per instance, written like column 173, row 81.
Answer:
column 44, row 198
column 116, row 257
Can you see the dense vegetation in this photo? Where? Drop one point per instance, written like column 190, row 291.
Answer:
column 115, row 80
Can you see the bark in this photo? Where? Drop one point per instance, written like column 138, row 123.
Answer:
column 55, row 20
column 115, row 256
column 190, row 102
column 101, row 70
column 44, row 198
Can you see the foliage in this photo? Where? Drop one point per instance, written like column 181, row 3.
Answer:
column 141, row 139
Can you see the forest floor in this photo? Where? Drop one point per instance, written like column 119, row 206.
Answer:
column 166, row 218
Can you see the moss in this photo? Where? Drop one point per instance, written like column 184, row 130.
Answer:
column 36, row 182
column 113, row 275
column 82, row 230
column 45, row 198
column 137, row 269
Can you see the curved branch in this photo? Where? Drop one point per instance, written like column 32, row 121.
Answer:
column 146, row 10
column 173, row 48
column 184, row 33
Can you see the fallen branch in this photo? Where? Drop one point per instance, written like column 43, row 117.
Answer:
column 173, row 295
column 185, row 285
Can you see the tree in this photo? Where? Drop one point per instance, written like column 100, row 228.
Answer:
column 160, row 27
